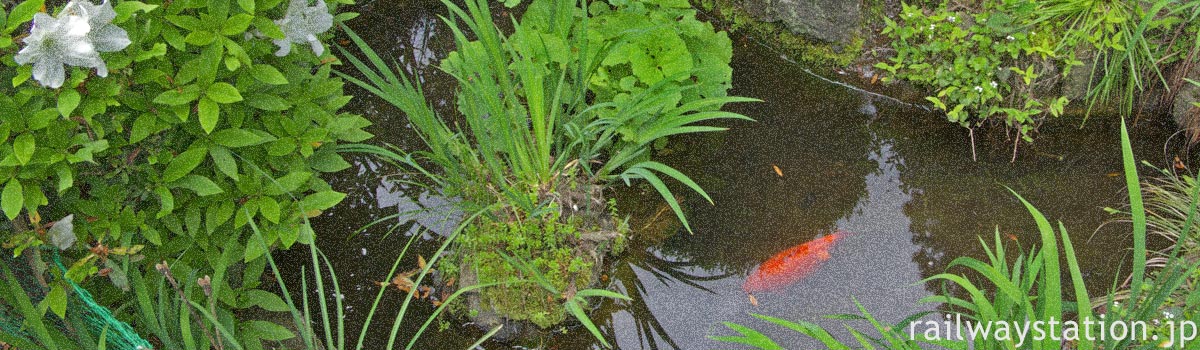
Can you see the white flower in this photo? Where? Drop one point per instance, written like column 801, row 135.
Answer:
column 301, row 24
column 1010, row 38
column 978, row 88
column 994, row 84
column 76, row 37
column 931, row 26
column 951, row 19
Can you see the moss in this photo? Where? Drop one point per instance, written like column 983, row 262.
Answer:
column 736, row 19
column 560, row 251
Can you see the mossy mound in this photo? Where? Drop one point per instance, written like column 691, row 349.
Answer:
column 810, row 50
column 536, row 263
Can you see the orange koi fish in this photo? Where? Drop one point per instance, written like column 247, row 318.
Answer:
column 791, row 265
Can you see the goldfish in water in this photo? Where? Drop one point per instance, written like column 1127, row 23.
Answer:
column 791, row 265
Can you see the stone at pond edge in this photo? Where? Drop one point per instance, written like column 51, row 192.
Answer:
column 833, row 21
column 1184, row 111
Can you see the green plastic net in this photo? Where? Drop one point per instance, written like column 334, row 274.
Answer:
column 19, row 277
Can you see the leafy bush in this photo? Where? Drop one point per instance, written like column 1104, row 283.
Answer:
column 1002, row 59
column 657, row 40
column 190, row 132
column 974, row 62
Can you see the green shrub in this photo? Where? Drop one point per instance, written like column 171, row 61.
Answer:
column 1003, row 59
column 183, row 137
column 983, row 66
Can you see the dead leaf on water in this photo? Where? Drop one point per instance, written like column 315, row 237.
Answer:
column 777, row 170
column 420, row 262
column 753, row 300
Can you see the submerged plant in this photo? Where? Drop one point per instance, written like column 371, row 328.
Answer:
column 75, row 38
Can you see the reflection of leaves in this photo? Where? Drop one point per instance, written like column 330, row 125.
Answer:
column 666, row 271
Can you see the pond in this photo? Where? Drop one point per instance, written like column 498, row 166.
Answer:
column 820, row 157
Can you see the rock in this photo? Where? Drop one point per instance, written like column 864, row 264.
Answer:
column 1185, row 111
column 833, row 21
column 1075, row 85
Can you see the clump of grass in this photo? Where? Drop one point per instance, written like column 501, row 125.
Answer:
column 530, row 148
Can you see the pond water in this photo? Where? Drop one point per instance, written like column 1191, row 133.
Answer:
column 899, row 178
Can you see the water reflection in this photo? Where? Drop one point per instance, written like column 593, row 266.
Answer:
column 902, row 180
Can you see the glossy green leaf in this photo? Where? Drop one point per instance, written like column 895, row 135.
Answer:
column 166, row 201
column 269, row 209
column 264, row 299
column 23, row 148
column 23, row 13
column 224, row 161
column 202, row 185
column 143, row 126
column 183, row 164
column 321, row 200
column 67, row 101
column 12, row 199
column 237, row 24
column 222, row 92
column 234, row 138
column 268, row 74
column 247, row 5
column 126, row 9
column 56, row 300
column 209, row 114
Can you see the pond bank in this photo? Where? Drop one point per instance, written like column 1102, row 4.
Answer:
column 845, row 40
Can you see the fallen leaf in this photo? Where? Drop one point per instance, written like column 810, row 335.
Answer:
column 420, row 262
column 1011, row 236
column 777, row 170
column 753, row 300
column 874, row 79
column 1179, row 164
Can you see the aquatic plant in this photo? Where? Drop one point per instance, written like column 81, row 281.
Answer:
column 1031, row 289
column 535, row 147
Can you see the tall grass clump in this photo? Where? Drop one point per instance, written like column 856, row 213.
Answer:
column 533, row 149
column 1031, row 288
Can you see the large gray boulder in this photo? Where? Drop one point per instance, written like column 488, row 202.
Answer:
column 833, row 21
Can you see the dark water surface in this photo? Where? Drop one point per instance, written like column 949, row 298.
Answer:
column 897, row 177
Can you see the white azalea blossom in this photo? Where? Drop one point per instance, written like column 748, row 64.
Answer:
column 951, row 19
column 978, row 88
column 301, row 24
column 1010, row 38
column 994, row 84
column 76, row 37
